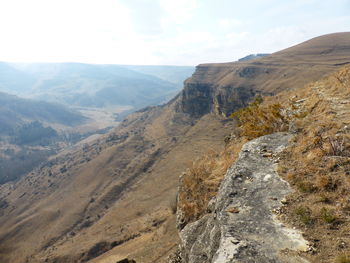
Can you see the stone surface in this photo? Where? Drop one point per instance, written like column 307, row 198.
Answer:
column 243, row 226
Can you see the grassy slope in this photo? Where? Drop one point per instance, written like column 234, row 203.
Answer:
column 317, row 165
column 24, row 140
column 15, row 111
column 117, row 188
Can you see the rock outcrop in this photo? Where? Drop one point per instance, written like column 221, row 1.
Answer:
column 242, row 225
column 199, row 99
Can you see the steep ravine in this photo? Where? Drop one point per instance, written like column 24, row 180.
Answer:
column 242, row 224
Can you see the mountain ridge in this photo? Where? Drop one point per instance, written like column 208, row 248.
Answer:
column 121, row 202
column 93, row 85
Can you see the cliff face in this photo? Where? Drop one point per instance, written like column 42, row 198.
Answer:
column 226, row 87
column 199, row 99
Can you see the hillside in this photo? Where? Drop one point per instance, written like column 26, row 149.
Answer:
column 27, row 136
column 15, row 111
column 93, row 85
column 222, row 88
column 14, row 78
column 113, row 198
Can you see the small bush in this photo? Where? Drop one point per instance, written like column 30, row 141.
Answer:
column 257, row 120
column 328, row 215
column 306, row 187
column 327, row 183
column 337, row 146
column 332, row 146
column 304, row 215
column 199, row 185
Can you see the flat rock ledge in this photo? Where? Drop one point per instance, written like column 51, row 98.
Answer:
column 242, row 225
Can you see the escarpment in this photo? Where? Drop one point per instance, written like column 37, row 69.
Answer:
column 117, row 192
column 226, row 87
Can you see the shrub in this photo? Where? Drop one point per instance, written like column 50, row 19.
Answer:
column 328, row 215
column 306, row 187
column 338, row 146
column 304, row 214
column 257, row 120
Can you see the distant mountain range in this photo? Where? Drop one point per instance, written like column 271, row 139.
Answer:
column 93, row 85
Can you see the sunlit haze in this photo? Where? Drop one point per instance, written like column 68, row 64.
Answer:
column 181, row 32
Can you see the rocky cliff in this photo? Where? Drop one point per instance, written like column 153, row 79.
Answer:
column 242, row 224
column 226, row 87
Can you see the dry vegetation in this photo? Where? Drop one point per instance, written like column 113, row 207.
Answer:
column 201, row 181
column 259, row 119
column 317, row 163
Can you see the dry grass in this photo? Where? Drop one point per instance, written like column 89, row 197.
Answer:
column 202, row 179
column 260, row 119
column 317, row 164
column 343, row 259
column 304, row 214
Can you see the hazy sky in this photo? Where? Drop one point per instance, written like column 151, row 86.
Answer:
column 172, row 32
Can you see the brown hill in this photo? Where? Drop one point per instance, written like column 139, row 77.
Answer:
column 222, row 87
column 112, row 198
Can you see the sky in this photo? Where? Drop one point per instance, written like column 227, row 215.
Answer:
column 161, row 32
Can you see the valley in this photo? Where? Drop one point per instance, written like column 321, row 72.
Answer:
column 114, row 196
column 59, row 104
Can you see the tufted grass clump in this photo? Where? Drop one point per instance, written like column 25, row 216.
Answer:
column 328, row 215
column 304, row 215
